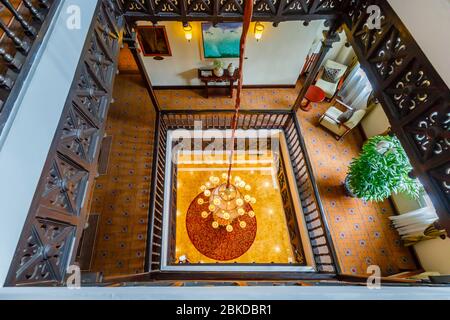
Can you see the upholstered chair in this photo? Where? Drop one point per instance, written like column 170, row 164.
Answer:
column 330, row 77
column 341, row 122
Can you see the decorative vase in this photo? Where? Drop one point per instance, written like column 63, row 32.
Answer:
column 231, row 69
column 218, row 72
column 348, row 190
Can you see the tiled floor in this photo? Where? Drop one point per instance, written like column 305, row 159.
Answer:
column 121, row 196
column 361, row 231
column 194, row 99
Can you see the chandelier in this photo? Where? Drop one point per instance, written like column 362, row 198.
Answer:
column 227, row 201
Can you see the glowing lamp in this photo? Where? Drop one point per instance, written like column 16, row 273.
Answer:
column 187, row 32
column 259, row 28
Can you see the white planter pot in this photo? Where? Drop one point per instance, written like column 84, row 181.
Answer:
column 218, row 72
column 231, row 69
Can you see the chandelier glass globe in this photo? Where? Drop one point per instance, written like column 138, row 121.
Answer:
column 226, row 201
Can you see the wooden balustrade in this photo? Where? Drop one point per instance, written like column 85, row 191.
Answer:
column 313, row 211
column 22, row 24
column 410, row 90
column 274, row 11
column 59, row 209
column 214, row 119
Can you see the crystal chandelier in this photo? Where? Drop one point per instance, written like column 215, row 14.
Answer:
column 227, row 201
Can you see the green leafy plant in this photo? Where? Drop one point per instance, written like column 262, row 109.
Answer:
column 218, row 64
column 382, row 169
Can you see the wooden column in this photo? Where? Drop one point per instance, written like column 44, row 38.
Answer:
column 131, row 42
column 330, row 37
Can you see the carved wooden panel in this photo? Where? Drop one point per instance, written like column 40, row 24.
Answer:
column 58, row 212
column 44, row 251
column 204, row 7
column 296, row 7
column 79, row 136
column 265, row 6
column 413, row 95
column 134, row 5
column 229, row 10
column 231, row 6
column 64, row 187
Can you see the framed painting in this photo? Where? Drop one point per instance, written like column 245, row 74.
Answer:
column 221, row 40
column 153, row 40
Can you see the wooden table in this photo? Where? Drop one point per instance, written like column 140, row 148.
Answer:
column 226, row 77
column 314, row 94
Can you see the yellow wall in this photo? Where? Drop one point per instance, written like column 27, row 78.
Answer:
column 434, row 255
column 375, row 122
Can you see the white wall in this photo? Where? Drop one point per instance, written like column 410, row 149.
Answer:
column 224, row 293
column 27, row 142
column 429, row 23
column 334, row 53
column 276, row 59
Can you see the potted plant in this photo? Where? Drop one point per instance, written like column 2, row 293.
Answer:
column 218, row 68
column 381, row 169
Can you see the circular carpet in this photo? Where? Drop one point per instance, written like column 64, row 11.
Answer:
column 218, row 244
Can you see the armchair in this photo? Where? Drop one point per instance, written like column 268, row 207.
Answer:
column 330, row 78
column 339, row 122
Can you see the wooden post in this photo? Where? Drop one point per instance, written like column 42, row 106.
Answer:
column 137, row 58
column 330, row 37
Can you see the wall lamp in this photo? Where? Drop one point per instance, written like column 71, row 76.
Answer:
column 187, row 31
column 259, row 28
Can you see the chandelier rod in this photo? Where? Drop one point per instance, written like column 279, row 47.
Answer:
column 248, row 12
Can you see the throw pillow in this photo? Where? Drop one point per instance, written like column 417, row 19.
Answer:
column 345, row 116
column 331, row 75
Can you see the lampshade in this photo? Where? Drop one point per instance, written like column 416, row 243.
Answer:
column 187, row 32
column 259, row 28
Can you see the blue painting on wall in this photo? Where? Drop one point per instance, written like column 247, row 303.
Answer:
column 222, row 40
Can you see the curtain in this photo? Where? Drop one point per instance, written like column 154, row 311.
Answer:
column 356, row 88
column 417, row 225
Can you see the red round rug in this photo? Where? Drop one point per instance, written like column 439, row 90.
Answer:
column 218, row 244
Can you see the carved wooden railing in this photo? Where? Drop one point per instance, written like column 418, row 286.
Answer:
column 154, row 238
column 413, row 95
column 58, row 212
column 288, row 202
column 229, row 10
column 23, row 24
column 214, row 119
column 313, row 210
